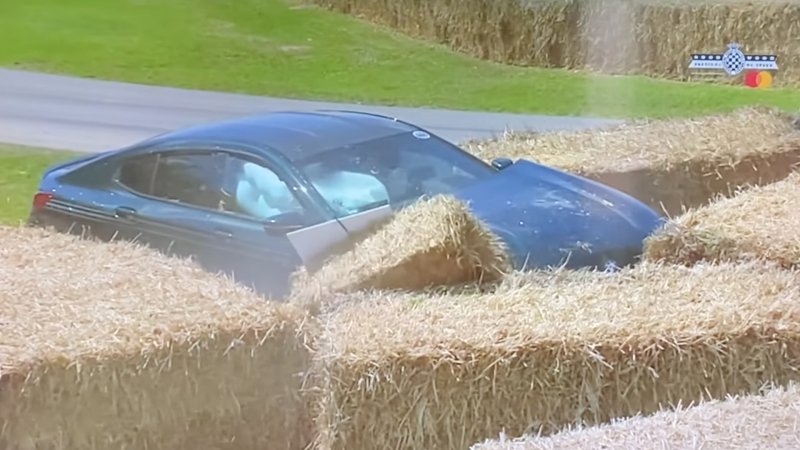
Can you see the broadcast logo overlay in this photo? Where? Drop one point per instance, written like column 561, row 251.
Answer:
column 755, row 67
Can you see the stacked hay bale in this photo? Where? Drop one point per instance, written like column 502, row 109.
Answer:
column 759, row 223
column 115, row 346
column 434, row 242
column 728, row 424
column 669, row 164
column 649, row 37
column 548, row 350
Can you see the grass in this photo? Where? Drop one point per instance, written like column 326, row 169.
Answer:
column 20, row 171
column 272, row 47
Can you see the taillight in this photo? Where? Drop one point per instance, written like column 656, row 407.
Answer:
column 41, row 199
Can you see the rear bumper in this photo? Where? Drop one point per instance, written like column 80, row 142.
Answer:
column 48, row 219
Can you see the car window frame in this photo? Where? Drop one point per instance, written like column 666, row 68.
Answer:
column 312, row 210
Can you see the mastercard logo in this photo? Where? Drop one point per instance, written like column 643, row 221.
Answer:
column 758, row 79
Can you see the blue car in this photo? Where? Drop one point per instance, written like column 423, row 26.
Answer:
column 260, row 196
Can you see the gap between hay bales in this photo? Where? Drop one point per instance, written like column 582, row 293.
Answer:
column 759, row 223
column 672, row 165
column 434, row 242
column 548, row 350
column 113, row 345
column 762, row 421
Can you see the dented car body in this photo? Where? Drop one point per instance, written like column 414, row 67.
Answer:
column 258, row 197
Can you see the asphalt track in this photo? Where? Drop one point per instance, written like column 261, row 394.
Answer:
column 63, row 112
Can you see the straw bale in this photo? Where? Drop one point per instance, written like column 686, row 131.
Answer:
column 753, row 422
column 116, row 346
column 650, row 37
column 669, row 164
column 433, row 242
column 759, row 223
column 549, row 349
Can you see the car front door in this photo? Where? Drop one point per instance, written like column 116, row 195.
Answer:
column 264, row 208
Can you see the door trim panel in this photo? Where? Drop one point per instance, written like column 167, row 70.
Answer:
column 311, row 243
column 363, row 220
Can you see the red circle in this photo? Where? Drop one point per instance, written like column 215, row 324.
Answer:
column 751, row 78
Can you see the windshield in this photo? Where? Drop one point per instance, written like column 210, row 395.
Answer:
column 391, row 170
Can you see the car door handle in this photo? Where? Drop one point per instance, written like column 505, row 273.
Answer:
column 223, row 233
column 124, row 211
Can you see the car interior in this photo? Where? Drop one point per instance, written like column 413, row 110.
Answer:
column 355, row 179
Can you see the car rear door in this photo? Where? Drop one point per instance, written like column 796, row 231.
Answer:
column 197, row 210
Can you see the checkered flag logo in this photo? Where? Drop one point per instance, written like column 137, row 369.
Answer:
column 733, row 61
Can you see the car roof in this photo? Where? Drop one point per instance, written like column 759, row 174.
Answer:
column 295, row 134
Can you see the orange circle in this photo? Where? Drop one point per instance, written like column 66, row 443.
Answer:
column 764, row 79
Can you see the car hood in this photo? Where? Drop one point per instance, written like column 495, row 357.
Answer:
column 552, row 218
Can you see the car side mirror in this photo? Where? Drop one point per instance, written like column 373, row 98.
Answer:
column 502, row 163
column 284, row 223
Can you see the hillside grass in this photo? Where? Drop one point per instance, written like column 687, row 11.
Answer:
column 20, row 171
column 278, row 48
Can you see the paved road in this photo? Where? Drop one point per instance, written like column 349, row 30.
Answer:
column 90, row 115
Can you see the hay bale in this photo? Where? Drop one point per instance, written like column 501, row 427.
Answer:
column 669, row 164
column 550, row 349
column 433, row 242
column 759, row 223
column 651, row 37
column 115, row 346
column 768, row 420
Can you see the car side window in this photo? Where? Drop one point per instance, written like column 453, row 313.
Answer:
column 257, row 191
column 137, row 173
column 189, row 178
column 215, row 180
column 390, row 170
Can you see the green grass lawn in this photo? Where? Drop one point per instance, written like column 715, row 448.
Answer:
column 274, row 47
column 20, row 171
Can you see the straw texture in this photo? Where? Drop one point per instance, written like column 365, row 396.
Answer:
column 759, row 223
column 116, row 346
column 546, row 350
column 753, row 422
column 670, row 164
column 651, row 37
column 431, row 243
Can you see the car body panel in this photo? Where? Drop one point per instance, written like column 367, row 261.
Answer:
column 547, row 217
column 552, row 218
column 313, row 243
column 91, row 202
column 293, row 135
